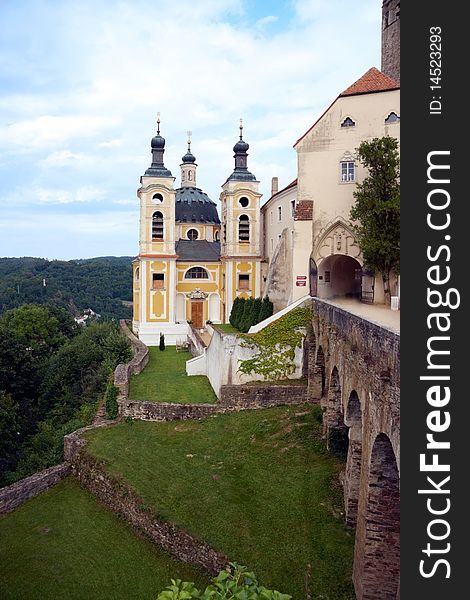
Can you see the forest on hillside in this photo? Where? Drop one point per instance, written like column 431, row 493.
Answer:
column 103, row 284
column 53, row 374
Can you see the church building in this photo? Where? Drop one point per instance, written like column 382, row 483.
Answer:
column 191, row 265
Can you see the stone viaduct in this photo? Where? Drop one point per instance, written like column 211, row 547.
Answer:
column 354, row 371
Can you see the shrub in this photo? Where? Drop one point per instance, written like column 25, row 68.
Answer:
column 237, row 584
column 162, row 342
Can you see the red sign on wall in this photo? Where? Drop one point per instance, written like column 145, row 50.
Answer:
column 301, row 281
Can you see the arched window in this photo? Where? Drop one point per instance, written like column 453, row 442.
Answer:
column 217, row 236
column 157, row 198
column 392, row 118
column 137, row 273
column 348, row 122
column 192, row 234
column 196, row 273
column 157, row 226
column 243, row 228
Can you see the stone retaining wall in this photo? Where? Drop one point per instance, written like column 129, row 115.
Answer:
column 123, row 372
column 165, row 411
column 233, row 398
column 17, row 493
column 259, row 396
column 119, row 497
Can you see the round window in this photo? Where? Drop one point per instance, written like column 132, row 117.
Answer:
column 158, row 198
column 243, row 201
column 193, row 234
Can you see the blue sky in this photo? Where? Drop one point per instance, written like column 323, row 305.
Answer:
column 81, row 83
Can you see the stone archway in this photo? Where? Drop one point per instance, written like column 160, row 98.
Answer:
column 353, row 420
column 339, row 275
column 377, row 551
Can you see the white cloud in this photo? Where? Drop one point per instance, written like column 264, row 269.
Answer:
column 49, row 130
column 111, row 144
column 261, row 23
column 90, row 113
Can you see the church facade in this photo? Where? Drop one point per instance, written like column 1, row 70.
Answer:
column 192, row 264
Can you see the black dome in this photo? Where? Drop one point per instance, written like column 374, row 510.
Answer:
column 194, row 206
column 241, row 146
column 157, row 142
column 189, row 157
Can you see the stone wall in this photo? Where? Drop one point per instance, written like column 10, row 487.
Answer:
column 222, row 361
column 261, row 396
column 123, row 372
column 165, row 411
column 13, row 495
column 120, row 498
column 391, row 39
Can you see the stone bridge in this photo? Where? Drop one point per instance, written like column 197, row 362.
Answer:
column 354, row 371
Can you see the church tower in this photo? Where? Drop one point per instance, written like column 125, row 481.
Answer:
column 240, row 235
column 154, row 269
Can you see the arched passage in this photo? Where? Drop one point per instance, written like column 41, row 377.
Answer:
column 339, row 275
column 353, row 420
column 377, row 552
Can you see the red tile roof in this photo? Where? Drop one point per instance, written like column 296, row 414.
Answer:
column 372, row 81
column 304, row 211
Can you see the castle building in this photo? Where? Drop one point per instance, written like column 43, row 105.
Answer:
column 327, row 173
column 309, row 244
column 287, row 239
column 190, row 266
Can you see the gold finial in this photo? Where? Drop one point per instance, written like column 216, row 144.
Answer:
column 158, row 122
column 190, row 133
column 241, row 127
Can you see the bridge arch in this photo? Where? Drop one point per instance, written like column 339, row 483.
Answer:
column 336, row 431
column 377, row 569
column 319, row 375
column 352, row 479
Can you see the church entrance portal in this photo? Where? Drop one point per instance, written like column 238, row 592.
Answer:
column 197, row 314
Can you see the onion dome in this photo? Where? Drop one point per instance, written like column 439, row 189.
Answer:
column 241, row 173
column 157, row 145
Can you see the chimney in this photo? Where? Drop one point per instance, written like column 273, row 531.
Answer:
column 274, row 185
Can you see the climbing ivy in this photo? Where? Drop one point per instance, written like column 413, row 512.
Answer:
column 275, row 345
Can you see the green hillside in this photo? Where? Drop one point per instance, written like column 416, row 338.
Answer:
column 103, row 284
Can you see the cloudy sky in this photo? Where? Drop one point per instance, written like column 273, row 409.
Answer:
column 81, row 83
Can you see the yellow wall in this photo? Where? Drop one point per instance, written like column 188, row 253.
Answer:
column 136, row 292
column 158, row 301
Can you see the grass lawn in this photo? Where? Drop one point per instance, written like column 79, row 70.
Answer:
column 226, row 328
column 257, row 485
column 63, row 544
column 164, row 379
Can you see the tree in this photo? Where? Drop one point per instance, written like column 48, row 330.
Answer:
column 258, row 304
column 376, row 212
column 266, row 309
